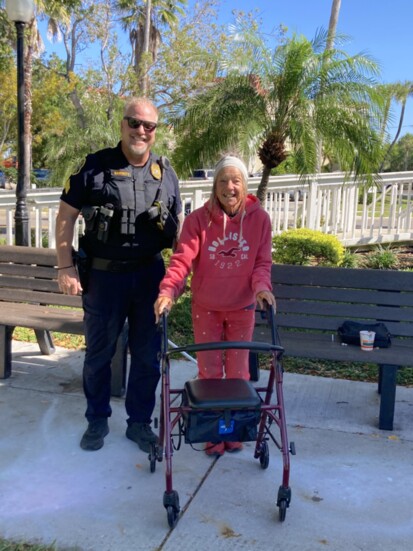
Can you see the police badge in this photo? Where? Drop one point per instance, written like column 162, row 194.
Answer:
column 156, row 171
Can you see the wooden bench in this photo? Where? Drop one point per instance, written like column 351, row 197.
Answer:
column 312, row 302
column 30, row 297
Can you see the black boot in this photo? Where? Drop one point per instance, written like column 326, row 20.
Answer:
column 97, row 429
column 142, row 434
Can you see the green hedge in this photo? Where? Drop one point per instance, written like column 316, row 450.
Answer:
column 303, row 246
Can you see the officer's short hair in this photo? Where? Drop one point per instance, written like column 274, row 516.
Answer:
column 139, row 101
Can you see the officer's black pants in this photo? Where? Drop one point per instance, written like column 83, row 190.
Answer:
column 111, row 299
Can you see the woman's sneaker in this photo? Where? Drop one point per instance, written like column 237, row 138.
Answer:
column 233, row 446
column 214, row 449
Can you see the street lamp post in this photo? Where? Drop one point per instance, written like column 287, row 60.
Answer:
column 21, row 12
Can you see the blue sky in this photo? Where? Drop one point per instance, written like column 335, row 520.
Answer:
column 381, row 28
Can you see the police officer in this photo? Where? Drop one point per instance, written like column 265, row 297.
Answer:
column 130, row 201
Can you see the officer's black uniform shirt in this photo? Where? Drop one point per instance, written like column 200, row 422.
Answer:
column 107, row 179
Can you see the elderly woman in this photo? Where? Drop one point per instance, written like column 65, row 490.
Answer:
column 227, row 245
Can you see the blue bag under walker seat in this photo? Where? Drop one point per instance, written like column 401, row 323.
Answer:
column 222, row 410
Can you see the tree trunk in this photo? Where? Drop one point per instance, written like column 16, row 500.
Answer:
column 79, row 109
column 332, row 26
column 396, row 137
column 263, row 185
column 70, row 40
column 145, row 48
column 332, row 29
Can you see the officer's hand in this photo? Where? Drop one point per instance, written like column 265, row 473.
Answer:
column 162, row 304
column 265, row 296
column 68, row 281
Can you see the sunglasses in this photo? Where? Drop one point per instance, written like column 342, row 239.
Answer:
column 136, row 123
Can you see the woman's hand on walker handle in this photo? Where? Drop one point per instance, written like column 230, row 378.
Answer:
column 162, row 304
column 265, row 296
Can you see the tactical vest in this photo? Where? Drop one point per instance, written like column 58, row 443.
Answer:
column 126, row 208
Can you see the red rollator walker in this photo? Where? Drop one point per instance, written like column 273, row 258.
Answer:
column 223, row 410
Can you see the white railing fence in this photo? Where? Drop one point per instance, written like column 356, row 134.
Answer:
column 356, row 215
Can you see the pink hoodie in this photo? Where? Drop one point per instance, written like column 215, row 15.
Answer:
column 230, row 257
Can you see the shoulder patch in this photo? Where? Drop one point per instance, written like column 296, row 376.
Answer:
column 80, row 168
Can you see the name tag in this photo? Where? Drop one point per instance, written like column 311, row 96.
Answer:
column 123, row 173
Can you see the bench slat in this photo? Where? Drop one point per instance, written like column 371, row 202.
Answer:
column 342, row 277
column 29, row 283
column 28, row 255
column 321, row 346
column 359, row 296
column 43, row 317
column 334, row 310
column 34, row 297
column 28, row 270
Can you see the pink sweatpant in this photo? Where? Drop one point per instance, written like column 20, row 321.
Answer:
column 213, row 326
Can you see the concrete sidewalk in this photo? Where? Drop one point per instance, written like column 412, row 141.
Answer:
column 351, row 483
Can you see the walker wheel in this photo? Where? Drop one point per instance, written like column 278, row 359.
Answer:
column 172, row 514
column 171, row 504
column 283, row 501
column 264, row 455
column 282, row 509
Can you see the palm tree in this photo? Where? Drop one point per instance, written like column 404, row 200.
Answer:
column 400, row 92
column 144, row 23
column 285, row 101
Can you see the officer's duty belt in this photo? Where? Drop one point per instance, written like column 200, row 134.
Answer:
column 122, row 266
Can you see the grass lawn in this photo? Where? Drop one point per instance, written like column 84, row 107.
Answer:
column 12, row 546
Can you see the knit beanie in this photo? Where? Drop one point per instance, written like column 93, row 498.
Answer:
column 235, row 162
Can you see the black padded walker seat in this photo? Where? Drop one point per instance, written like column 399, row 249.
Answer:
column 221, row 394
